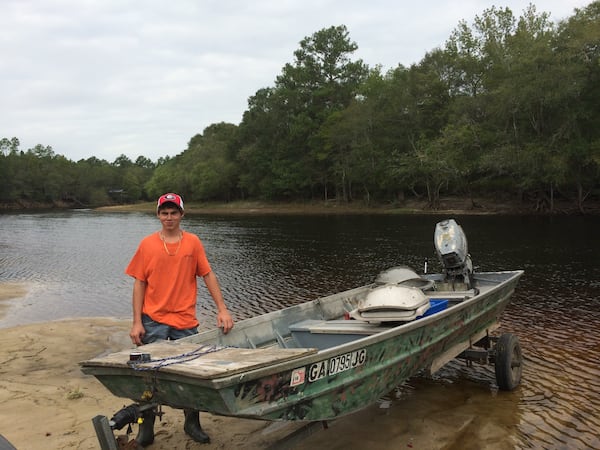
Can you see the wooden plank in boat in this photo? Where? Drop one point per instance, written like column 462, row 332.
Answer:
column 198, row 361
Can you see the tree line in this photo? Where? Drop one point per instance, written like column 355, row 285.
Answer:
column 507, row 108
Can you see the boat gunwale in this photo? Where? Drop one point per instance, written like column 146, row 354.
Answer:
column 225, row 381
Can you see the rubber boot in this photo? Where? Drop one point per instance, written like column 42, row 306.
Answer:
column 192, row 427
column 145, row 434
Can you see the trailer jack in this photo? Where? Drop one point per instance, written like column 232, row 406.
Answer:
column 142, row 415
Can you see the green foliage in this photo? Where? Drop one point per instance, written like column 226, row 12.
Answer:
column 507, row 107
column 281, row 132
column 39, row 177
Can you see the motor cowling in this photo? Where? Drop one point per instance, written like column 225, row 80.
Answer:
column 452, row 251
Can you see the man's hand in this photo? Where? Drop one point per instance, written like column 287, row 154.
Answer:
column 224, row 321
column 137, row 333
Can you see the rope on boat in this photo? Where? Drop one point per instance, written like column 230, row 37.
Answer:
column 159, row 363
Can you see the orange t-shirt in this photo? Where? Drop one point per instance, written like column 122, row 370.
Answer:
column 171, row 286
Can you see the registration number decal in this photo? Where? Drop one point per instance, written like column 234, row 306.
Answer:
column 336, row 365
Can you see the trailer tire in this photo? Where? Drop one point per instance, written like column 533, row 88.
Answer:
column 508, row 362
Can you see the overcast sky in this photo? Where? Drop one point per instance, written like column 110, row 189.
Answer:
column 109, row 77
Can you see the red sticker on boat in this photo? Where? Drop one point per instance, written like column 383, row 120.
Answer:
column 298, row 377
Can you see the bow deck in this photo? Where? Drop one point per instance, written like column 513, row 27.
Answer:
column 201, row 362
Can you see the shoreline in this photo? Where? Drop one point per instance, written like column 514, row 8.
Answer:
column 447, row 205
column 10, row 291
column 452, row 206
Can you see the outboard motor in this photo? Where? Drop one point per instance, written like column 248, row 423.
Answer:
column 451, row 247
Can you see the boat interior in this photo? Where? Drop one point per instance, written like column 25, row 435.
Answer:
column 326, row 322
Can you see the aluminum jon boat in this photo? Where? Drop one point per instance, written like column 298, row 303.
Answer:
column 325, row 358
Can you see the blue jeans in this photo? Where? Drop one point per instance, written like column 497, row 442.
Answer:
column 156, row 331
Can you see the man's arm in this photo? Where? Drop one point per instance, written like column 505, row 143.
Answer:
column 224, row 319
column 137, row 329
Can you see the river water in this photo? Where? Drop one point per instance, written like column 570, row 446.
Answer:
column 72, row 266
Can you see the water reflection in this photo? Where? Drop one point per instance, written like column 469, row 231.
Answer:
column 73, row 262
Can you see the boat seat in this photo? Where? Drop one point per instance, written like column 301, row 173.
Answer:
column 329, row 333
column 340, row 326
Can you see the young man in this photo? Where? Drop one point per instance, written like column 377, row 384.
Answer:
column 165, row 268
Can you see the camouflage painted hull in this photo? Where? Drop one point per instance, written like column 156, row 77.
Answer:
column 261, row 369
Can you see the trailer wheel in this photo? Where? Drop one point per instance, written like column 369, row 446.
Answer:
column 508, row 363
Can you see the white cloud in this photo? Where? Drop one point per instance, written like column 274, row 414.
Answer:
column 109, row 77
